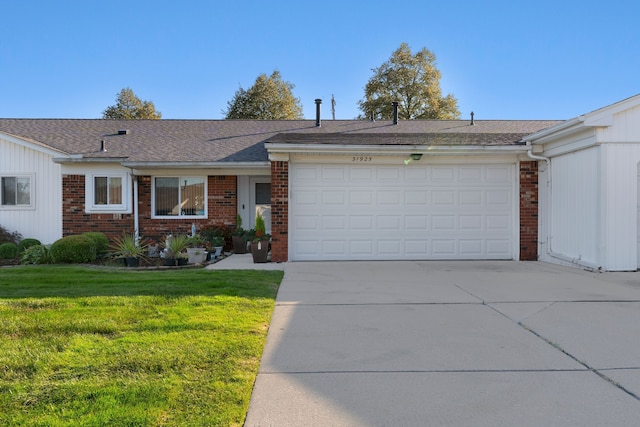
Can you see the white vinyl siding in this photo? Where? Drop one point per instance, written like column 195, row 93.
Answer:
column 42, row 219
column 363, row 212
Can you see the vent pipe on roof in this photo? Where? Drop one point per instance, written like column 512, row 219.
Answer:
column 103, row 147
column 123, row 132
column 318, row 102
column 472, row 123
column 395, row 112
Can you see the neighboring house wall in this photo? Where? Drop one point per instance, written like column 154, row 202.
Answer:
column 42, row 219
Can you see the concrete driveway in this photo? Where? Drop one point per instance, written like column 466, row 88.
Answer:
column 452, row 344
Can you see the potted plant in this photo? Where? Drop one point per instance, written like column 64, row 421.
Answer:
column 260, row 242
column 129, row 248
column 217, row 243
column 239, row 237
column 175, row 247
column 215, row 238
column 196, row 250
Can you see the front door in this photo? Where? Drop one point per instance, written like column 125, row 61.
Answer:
column 260, row 196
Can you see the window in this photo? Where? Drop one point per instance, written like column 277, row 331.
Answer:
column 108, row 192
column 15, row 191
column 179, row 196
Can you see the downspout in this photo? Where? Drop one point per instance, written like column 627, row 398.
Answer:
column 548, row 249
column 136, row 224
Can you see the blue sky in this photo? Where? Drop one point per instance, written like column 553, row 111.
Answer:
column 501, row 59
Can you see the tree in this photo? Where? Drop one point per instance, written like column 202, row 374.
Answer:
column 130, row 107
column 414, row 82
column 270, row 98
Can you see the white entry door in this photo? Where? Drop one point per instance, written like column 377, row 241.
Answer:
column 385, row 212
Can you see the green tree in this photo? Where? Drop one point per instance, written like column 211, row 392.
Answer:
column 411, row 80
column 270, row 98
column 130, row 107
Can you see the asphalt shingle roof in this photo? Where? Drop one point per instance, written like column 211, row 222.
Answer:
column 243, row 140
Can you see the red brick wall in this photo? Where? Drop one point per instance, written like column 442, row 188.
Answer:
column 76, row 221
column 222, row 209
column 529, row 211
column 279, row 211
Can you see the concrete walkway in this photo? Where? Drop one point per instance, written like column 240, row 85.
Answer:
column 450, row 344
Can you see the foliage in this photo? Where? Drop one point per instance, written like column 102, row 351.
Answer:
column 270, row 98
column 414, row 82
column 216, row 235
column 126, row 246
column 9, row 237
column 27, row 243
column 8, row 251
column 38, row 254
column 130, row 107
column 73, row 249
column 197, row 241
column 101, row 241
column 85, row 346
column 177, row 245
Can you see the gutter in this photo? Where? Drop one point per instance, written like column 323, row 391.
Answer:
column 548, row 249
column 391, row 150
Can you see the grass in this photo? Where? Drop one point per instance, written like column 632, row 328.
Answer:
column 82, row 346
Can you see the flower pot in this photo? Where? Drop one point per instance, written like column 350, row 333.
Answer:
column 239, row 245
column 132, row 262
column 170, row 262
column 182, row 261
column 196, row 255
column 259, row 251
column 218, row 252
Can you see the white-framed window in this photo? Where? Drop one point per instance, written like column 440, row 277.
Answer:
column 179, row 196
column 16, row 191
column 107, row 192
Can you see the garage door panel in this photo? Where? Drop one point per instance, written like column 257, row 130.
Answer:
column 411, row 212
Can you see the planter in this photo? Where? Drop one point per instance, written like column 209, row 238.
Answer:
column 239, row 245
column 182, row 261
column 196, row 255
column 218, row 252
column 170, row 262
column 132, row 262
column 259, row 251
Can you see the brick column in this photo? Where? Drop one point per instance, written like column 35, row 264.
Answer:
column 279, row 211
column 529, row 211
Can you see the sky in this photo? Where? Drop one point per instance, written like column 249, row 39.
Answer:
column 507, row 60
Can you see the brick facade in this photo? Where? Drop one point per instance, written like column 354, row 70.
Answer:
column 279, row 211
column 529, row 211
column 76, row 221
column 222, row 209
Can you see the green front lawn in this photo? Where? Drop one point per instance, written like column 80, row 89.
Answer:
column 82, row 346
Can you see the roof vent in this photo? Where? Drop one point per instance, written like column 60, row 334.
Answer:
column 472, row 123
column 103, row 146
column 395, row 112
column 318, row 102
column 124, row 132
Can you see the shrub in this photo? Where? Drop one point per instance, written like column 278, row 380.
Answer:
column 27, row 243
column 8, row 251
column 38, row 254
column 101, row 241
column 74, row 249
column 8, row 237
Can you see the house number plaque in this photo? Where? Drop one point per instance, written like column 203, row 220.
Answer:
column 361, row 159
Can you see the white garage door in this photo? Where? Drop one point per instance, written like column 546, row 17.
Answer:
column 380, row 212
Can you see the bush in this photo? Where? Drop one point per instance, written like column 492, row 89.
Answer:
column 8, row 251
column 73, row 250
column 27, row 243
column 7, row 237
column 101, row 241
column 38, row 254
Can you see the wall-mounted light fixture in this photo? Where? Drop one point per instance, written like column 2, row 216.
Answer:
column 416, row 156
